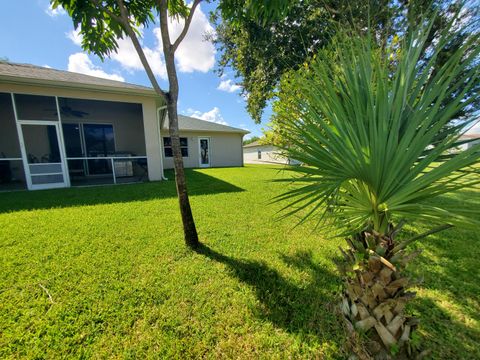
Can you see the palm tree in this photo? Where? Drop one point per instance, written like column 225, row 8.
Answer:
column 375, row 134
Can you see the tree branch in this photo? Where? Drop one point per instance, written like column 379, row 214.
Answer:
column 108, row 11
column 123, row 19
column 138, row 47
column 164, row 31
column 188, row 21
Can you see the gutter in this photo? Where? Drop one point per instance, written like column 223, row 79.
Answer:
column 159, row 125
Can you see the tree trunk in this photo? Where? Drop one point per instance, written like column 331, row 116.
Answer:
column 189, row 229
column 171, row 98
column 376, row 292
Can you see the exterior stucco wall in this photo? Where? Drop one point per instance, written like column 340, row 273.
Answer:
column 151, row 145
column 469, row 145
column 269, row 154
column 225, row 149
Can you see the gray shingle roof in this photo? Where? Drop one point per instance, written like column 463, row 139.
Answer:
column 469, row 136
column 256, row 143
column 187, row 123
column 32, row 73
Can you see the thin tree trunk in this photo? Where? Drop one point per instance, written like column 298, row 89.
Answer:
column 171, row 98
column 189, row 229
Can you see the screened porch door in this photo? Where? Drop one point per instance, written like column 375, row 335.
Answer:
column 44, row 161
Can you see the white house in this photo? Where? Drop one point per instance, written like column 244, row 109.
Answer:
column 61, row 129
column 258, row 153
column 473, row 138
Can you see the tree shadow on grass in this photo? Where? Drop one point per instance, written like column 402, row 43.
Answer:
column 305, row 309
column 444, row 337
column 198, row 183
column 450, row 265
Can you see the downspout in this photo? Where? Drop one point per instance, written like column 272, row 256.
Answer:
column 159, row 125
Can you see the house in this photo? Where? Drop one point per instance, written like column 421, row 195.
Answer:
column 61, row 129
column 260, row 153
column 472, row 138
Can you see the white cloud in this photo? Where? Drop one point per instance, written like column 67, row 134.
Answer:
column 127, row 56
column 75, row 36
column 80, row 63
column 213, row 115
column 47, row 66
column 50, row 11
column 195, row 53
column 243, row 126
column 228, row 86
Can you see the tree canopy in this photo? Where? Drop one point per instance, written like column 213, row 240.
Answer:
column 262, row 52
column 373, row 132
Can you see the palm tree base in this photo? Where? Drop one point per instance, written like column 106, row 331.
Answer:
column 375, row 295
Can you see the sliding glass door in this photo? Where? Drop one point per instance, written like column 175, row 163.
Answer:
column 90, row 141
column 99, row 142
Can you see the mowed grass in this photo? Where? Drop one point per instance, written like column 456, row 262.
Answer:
column 103, row 272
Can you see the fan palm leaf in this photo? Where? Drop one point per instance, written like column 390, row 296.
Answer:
column 376, row 132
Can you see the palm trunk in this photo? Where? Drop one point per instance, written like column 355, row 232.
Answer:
column 376, row 294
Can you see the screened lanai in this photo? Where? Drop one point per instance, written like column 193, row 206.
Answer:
column 48, row 142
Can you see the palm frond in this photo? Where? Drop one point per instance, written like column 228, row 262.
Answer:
column 375, row 132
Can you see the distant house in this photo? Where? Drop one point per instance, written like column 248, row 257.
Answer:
column 475, row 140
column 61, row 129
column 259, row 153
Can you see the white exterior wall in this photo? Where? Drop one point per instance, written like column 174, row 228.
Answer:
column 225, row 149
column 467, row 146
column 269, row 155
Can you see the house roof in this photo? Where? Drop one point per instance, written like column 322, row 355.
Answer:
column 187, row 123
column 256, row 143
column 252, row 144
column 38, row 75
column 470, row 136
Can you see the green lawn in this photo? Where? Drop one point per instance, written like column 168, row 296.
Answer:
column 102, row 272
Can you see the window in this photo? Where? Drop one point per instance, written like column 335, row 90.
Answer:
column 259, row 154
column 167, row 146
column 89, row 140
column 99, row 139
column 73, row 143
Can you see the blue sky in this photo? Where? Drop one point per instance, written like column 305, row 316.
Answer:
column 32, row 33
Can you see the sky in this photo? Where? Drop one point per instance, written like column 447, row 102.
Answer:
column 32, row 32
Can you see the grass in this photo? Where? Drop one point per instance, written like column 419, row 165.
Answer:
column 102, row 272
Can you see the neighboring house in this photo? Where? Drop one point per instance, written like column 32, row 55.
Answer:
column 475, row 140
column 60, row 129
column 259, row 153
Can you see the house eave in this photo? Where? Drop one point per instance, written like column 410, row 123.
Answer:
column 243, row 132
column 14, row 80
